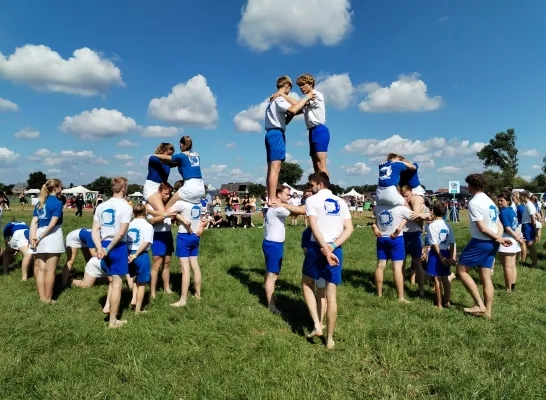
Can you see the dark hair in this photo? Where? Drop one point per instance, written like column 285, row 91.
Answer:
column 390, row 156
column 165, row 186
column 139, row 210
column 186, row 143
column 477, row 181
column 439, row 209
column 178, row 185
column 320, row 177
column 307, row 187
column 506, row 196
column 427, row 203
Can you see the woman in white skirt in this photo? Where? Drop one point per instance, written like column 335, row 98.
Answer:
column 509, row 221
column 46, row 237
column 158, row 172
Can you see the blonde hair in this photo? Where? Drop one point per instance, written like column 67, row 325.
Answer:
column 118, row 184
column 283, row 81
column 405, row 189
column 47, row 188
column 305, row 78
column 139, row 210
column 163, row 148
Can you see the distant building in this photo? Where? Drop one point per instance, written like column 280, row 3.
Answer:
column 235, row 187
column 19, row 188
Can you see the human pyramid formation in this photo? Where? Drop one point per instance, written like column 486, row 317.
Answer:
column 116, row 247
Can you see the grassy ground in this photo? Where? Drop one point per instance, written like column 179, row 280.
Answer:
column 228, row 346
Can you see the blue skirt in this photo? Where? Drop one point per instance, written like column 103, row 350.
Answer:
column 479, row 253
column 435, row 267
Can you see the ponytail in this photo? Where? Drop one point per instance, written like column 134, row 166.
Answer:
column 46, row 190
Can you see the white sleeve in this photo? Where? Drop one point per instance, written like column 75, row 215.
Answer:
column 282, row 103
column 474, row 212
column 282, row 212
column 127, row 215
column 309, row 210
column 405, row 212
column 148, row 234
column 177, row 207
column 432, row 235
column 96, row 216
column 531, row 208
column 345, row 213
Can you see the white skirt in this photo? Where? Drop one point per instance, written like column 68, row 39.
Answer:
column 352, row 208
column 18, row 240
column 73, row 239
column 150, row 188
column 388, row 196
column 514, row 248
column 192, row 191
column 52, row 243
column 538, row 224
column 418, row 191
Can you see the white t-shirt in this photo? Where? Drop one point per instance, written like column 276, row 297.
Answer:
column 439, row 232
column 140, row 231
column 294, row 201
column 482, row 208
column 275, row 114
column 163, row 226
column 274, row 229
column 389, row 218
column 530, row 209
column 331, row 211
column 190, row 212
column 315, row 112
column 514, row 207
column 110, row 215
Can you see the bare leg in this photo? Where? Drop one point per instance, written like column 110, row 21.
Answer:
column 194, row 263
column 71, row 254
column 86, row 282
column 269, row 286
column 273, row 170
column 398, row 274
column 40, row 276
column 166, row 275
column 115, row 298
column 446, row 283
column 379, row 276
column 156, row 266
column 185, row 267
column 488, row 290
column 331, row 299
column 438, row 292
column 308, row 286
column 507, row 260
column 7, row 257
column 417, row 266
column 138, row 292
column 319, row 162
column 51, row 262
column 27, row 259
column 533, row 253
column 320, row 294
column 106, row 308
column 173, row 200
column 523, row 254
column 470, row 285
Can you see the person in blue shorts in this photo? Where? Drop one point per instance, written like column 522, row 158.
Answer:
column 529, row 227
column 480, row 252
column 110, row 226
column 139, row 240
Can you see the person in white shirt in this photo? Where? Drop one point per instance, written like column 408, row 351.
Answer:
column 331, row 226
column 314, row 112
column 187, row 247
column 110, row 225
column 294, row 200
column 140, row 237
column 275, row 128
column 273, row 244
column 486, row 231
column 389, row 231
column 529, row 227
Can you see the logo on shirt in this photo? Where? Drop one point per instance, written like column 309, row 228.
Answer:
column 493, row 213
column 194, row 160
column 385, row 218
column 41, row 213
column 385, row 172
column 444, row 234
column 515, row 223
column 332, row 207
column 133, row 236
column 108, row 217
column 195, row 212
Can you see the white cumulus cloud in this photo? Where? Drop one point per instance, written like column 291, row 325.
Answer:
column 98, row 124
column 408, row 93
column 27, row 133
column 7, row 156
column 286, row 23
column 530, row 153
column 190, row 103
column 449, row 169
column 127, row 143
column 160, row 131
column 66, row 157
column 7, row 105
column 537, row 167
column 215, row 169
column 231, row 145
column 338, row 90
column 123, row 157
column 86, row 73
column 358, row 169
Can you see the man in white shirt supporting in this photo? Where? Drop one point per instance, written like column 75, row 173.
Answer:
column 110, row 225
column 331, row 226
column 486, row 231
column 275, row 127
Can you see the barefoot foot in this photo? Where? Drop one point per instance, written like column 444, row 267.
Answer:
column 330, row 344
column 179, row 303
column 117, row 323
column 475, row 310
column 314, row 332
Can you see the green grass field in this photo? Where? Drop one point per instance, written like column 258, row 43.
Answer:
column 228, row 346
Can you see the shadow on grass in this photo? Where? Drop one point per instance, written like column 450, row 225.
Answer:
column 125, row 301
column 363, row 279
column 294, row 311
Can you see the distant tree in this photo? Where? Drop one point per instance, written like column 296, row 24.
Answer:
column 502, row 153
column 6, row 189
column 36, row 180
column 291, row 173
column 544, row 165
column 133, row 187
column 336, row 189
column 71, row 185
column 102, row 185
column 256, row 189
column 494, row 183
column 540, row 183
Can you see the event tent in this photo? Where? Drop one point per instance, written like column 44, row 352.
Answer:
column 77, row 190
column 292, row 190
column 352, row 193
column 32, row 191
column 136, row 194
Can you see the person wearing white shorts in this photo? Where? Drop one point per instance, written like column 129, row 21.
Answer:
column 46, row 237
column 77, row 239
column 19, row 243
column 389, row 178
column 509, row 221
column 158, row 172
column 93, row 271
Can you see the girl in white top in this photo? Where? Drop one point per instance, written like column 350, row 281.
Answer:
column 509, row 221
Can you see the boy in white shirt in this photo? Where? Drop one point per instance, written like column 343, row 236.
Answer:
column 139, row 240
column 441, row 255
column 109, row 232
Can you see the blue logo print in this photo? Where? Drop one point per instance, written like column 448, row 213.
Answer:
column 493, row 213
column 194, row 159
column 385, row 218
column 42, row 213
column 332, row 207
column 444, row 234
column 195, row 212
column 385, row 172
column 515, row 223
column 108, row 217
column 133, row 236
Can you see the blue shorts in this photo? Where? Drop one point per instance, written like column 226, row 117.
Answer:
column 319, row 138
column 275, row 145
column 391, row 249
column 315, row 265
column 413, row 244
column 306, row 238
column 163, row 244
column 479, row 253
column 529, row 233
column 116, row 261
column 273, row 253
column 435, row 267
column 140, row 268
column 187, row 245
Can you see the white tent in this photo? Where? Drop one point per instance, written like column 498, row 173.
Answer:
column 210, row 187
column 352, row 193
column 77, row 190
column 136, row 194
column 32, row 191
column 292, row 190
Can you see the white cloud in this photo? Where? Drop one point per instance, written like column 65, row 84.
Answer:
column 160, row 131
column 286, row 23
column 54, row 171
column 537, row 167
column 7, row 156
column 239, row 174
column 7, row 105
column 191, row 103
column 408, row 93
column 338, row 90
column 530, row 153
column 127, row 143
column 215, row 169
column 64, row 157
column 449, row 169
column 300, row 144
column 27, row 133
column 527, row 177
column 86, row 73
column 98, row 124
column 252, row 119
column 230, row 145
column 129, row 164
column 358, row 169
column 442, row 19
column 123, row 157
column 260, row 180
column 291, row 159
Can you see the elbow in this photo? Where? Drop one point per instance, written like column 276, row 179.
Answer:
column 292, row 111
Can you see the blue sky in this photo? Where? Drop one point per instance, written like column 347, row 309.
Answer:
column 431, row 80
